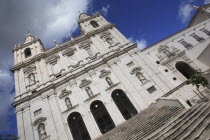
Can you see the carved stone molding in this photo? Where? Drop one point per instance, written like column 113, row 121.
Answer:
column 136, row 69
column 52, row 59
column 105, row 35
column 69, row 51
column 64, row 93
column 30, row 68
column 39, row 120
column 84, row 83
column 162, row 48
column 104, row 73
column 85, row 44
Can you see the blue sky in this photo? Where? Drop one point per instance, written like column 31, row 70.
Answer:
column 142, row 21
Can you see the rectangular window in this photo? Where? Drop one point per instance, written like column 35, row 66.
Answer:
column 90, row 52
column 151, row 89
column 185, row 44
column 55, row 68
column 130, row 64
column 196, row 37
column 207, row 32
column 37, row 112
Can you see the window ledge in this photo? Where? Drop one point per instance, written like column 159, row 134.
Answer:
column 91, row 97
column 70, row 108
column 110, row 87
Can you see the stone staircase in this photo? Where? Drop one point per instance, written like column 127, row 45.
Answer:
column 142, row 124
column 165, row 123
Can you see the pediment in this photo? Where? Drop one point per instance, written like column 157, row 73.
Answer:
column 136, row 69
column 64, row 93
column 29, row 68
column 162, row 48
column 52, row 59
column 39, row 120
column 104, row 73
column 85, row 44
column 105, row 35
column 69, row 51
column 84, row 83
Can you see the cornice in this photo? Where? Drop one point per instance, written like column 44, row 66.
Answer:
column 76, row 73
column 61, row 47
column 88, row 18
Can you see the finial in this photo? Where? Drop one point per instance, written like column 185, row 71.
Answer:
column 56, row 43
column 194, row 7
column 71, row 37
column 18, row 44
column 15, row 46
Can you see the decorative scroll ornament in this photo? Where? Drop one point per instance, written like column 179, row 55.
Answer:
column 105, row 35
column 69, row 51
column 162, row 48
column 29, row 68
column 104, row 73
column 85, row 44
column 84, row 83
column 39, row 120
column 136, row 69
column 64, row 93
column 52, row 59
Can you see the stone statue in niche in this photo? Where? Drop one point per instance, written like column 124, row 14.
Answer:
column 110, row 41
column 89, row 92
column 141, row 77
column 68, row 103
column 42, row 131
column 31, row 78
column 109, row 81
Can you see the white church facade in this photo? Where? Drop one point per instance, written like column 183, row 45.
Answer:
column 83, row 88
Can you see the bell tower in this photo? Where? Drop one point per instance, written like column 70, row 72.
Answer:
column 31, row 47
column 91, row 23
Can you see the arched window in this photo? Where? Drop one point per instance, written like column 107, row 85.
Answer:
column 185, row 69
column 102, row 117
column 89, row 91
column 109, row 81
column 42, row 131
column 27, row 52
column 77, row 127
column 124, row 104
column 68, row 102
column 94, row 23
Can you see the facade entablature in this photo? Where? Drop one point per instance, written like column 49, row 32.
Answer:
column 72, row 74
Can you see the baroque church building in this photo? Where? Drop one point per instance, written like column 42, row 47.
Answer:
column 91, row 84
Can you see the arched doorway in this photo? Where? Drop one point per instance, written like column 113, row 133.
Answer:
column 102, row 117
column 124, row 104
column 77, row 127
column 185, row 69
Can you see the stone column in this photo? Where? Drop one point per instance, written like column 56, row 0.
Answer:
column 20, row 125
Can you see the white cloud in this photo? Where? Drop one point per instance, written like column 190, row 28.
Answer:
column 105, row 9
column 206, row 1
column 185, row 11
column 141, row 43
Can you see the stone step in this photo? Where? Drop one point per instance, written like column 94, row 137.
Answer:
column 160, row 131
column 151, row 128
column 205, row 135
column 194, row 125
column 199, row 130
column 173, row 127
column 173, row 133
column 147, row 125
